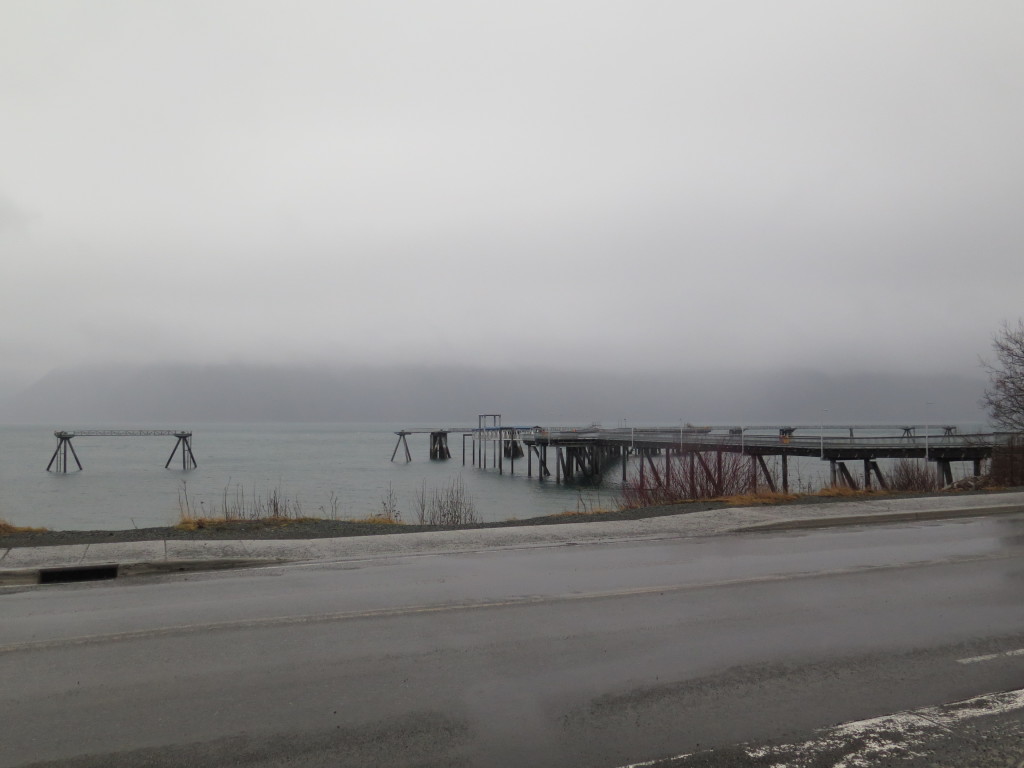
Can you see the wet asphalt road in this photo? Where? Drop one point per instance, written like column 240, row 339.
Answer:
column 589, row 655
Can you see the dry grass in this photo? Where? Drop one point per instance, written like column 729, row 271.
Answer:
column 236, row 507
column 8, row 528
column 271, row 510
column 754, row 499
column 378, row 520
column 590, row 504
column 584, row 512
column 200, row 523
column 837, row 491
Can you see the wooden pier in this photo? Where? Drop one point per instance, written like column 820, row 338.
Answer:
column 492, row 444
column 587, row 454
column 64, row 445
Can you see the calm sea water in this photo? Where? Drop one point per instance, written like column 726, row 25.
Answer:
column 124, row 483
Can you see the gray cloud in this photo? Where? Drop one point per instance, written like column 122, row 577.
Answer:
column 570, row 185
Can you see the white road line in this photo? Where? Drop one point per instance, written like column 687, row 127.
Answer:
column 990, row 657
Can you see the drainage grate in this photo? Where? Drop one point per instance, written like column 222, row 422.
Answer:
column 78, row 573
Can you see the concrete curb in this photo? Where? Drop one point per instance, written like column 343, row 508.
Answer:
column 102, row 571
column 885, row 517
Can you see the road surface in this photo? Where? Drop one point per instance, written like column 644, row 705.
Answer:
column 594, row 655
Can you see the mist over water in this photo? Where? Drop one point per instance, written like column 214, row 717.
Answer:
column 187, row 394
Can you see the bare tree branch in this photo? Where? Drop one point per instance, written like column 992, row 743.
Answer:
column 1004, row 397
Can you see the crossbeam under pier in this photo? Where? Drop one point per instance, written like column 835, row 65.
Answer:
column 64, row 444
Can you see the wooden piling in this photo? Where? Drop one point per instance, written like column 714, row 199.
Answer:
column 439, row 446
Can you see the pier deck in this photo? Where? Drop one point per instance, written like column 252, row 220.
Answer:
column 588, row 452
column 64, row 437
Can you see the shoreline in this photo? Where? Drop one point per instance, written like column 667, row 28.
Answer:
column 327, row 529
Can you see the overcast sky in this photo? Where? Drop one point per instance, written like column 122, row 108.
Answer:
column 584, row 184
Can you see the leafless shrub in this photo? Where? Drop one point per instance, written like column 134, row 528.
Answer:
column 235, row 505
column 690, row 477
column 389, row 506
column 1007, row 465
column 912, row 475
column 331, row 510
column 448, row 505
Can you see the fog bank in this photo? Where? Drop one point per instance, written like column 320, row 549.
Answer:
column 184, row 395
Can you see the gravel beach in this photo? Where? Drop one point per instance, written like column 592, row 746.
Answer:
column 326, row 529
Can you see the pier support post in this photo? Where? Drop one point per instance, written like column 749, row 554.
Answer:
column 720, row 480
column 439, row 446
column 879, row 476
column 767, row 475
column 654, row 470
column 945, row 471
column 60, row 456
column 188, row 461
column 715, row 480
column 402, row 442
column 847, row 478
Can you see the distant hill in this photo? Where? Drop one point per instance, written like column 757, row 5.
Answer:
column 186, row 394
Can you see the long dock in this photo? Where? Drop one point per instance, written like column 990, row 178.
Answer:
column 588, row 453
column 64, row 444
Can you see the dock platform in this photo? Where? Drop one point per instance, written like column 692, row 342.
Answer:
column 587, row 453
